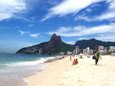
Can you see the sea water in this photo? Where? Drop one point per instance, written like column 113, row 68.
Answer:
column 14, row 67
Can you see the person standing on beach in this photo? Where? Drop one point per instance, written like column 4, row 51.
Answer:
column 70, row 57
column 97, row 56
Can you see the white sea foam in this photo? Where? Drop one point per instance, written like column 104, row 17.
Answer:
column 30, row 63
column 14, row 68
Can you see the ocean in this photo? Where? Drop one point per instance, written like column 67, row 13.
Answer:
column 14, row 67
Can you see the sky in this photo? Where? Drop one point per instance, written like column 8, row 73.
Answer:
column 27, row 22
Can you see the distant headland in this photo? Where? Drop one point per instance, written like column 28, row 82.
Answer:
column 56, row 46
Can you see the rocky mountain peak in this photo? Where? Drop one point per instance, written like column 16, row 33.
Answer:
column 93, row 39
column 55, row 38
column 52, row 47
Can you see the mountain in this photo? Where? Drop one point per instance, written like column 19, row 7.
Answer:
column 92, row 43
column 54, row 46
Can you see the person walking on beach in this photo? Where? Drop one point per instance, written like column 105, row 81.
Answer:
column 70, row 57
column 97, row 56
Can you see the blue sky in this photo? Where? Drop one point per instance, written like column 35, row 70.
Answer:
column 28, row 22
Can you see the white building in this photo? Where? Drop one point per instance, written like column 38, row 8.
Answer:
column 61, row 53
column 102, row 50
column 76, row 50
column 40, row 51
column 112, row 49
column 88, row 51
column 69, row 53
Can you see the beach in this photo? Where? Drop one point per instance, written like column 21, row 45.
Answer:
column 85, row 73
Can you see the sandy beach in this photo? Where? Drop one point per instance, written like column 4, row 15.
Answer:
column 85, row 73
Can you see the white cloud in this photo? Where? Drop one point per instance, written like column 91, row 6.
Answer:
column 110, row 13
column 78, row 31
column 69, row 6
column 70, row 42
column 89, row 10
column 107, row 37
column 35, row 35
column 23, row 18
column 107, row 16
column 81, row 17
column 8, row 8
column 83, row 38
column 23, row 32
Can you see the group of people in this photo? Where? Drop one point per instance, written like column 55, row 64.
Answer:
column 96, row 57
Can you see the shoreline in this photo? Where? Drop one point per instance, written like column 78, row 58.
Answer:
column 46, row 64
column 63, row 73
column 48, row 68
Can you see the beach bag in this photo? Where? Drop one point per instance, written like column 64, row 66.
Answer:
column 93, row 57
column 75, row 61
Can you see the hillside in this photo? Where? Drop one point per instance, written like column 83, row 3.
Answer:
column 92, row 43
column 52, row 47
